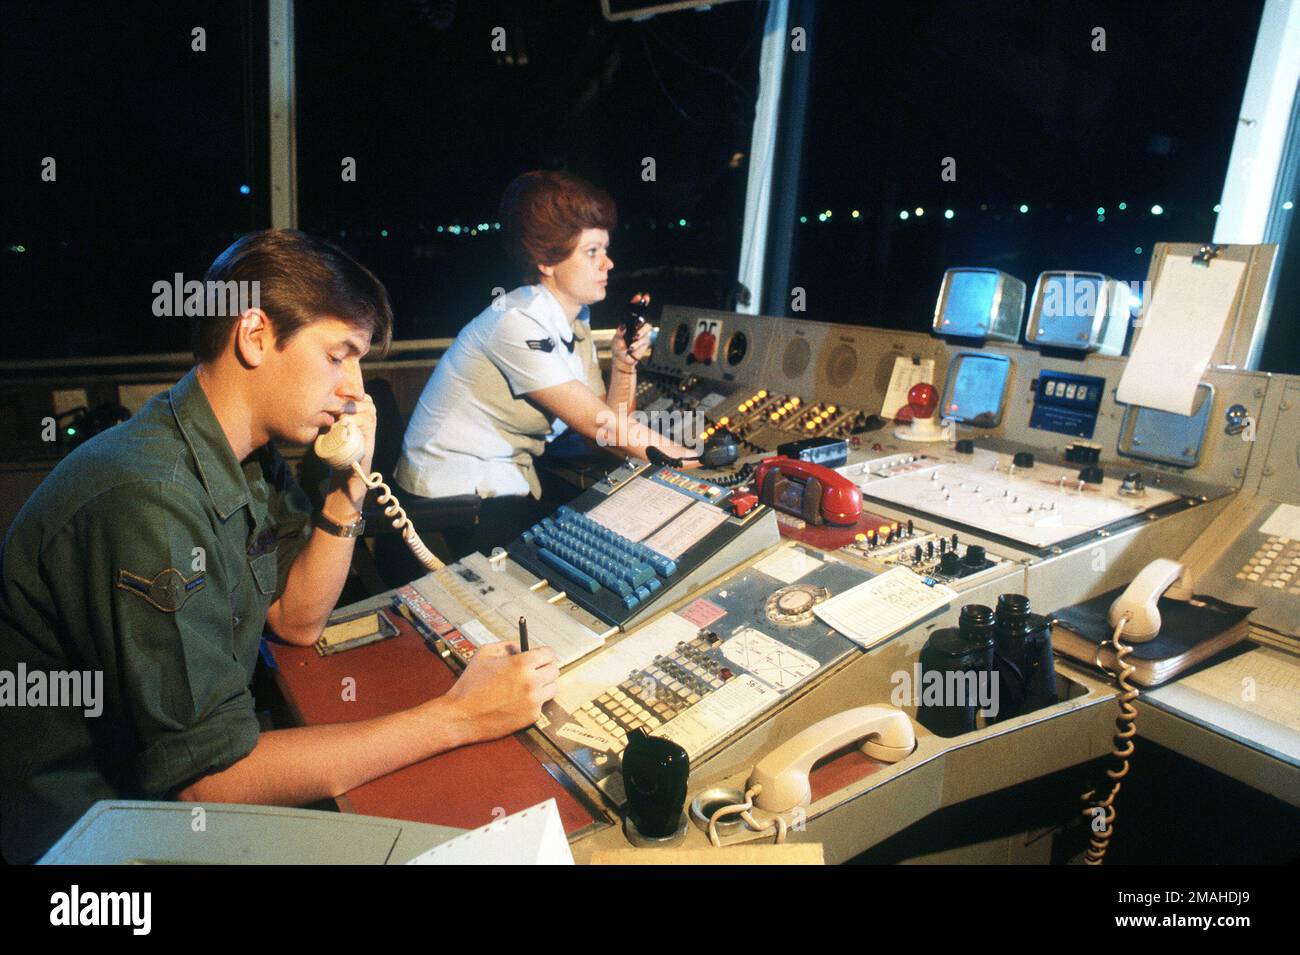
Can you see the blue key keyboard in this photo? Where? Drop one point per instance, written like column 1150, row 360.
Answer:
column 593, row 556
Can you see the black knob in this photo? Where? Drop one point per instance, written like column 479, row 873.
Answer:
column 1091, row 475
column 965, row 446
column 950, row 563
column 974, row 555
column 1023, row 459
column 916, row 554
column 1087, row 455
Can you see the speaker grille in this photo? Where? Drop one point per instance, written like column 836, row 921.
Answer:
column 795, row 359
column 842, row 364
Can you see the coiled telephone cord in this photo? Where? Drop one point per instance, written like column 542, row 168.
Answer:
column 743, row 810
column 1125, row 730
column 394, row 512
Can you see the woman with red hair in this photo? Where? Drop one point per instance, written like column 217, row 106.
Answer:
column 525, row 361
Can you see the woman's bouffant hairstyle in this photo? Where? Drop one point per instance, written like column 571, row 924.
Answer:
column 543, row 214
column 300, row 279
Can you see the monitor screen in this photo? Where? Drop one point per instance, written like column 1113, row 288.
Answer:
column 969, row 302
column 976, row 389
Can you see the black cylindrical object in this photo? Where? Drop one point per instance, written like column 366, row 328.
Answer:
column 1026, row 676
column 960, row 659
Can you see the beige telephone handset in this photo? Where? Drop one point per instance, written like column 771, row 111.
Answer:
column 1138, row 601
column 341, row 448
column 779, row 783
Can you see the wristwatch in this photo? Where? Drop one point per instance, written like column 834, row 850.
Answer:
column 348, row 531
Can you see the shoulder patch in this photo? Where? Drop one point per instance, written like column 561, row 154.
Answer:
column 542, row 344
column 168, row 590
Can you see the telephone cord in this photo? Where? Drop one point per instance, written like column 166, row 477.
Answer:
column 1126, row 729
column 743, row 810
column 394, row 512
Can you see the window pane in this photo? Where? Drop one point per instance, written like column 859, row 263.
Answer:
column 151, row 141
column 1064, row 156
column 438, row 122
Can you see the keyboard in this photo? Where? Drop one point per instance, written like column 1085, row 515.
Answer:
column 592, row 557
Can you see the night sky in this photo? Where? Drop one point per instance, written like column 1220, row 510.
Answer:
column 153, row 141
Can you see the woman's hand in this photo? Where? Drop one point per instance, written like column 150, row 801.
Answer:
column 625, row 359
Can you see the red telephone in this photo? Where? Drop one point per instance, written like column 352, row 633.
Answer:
column 810, row 491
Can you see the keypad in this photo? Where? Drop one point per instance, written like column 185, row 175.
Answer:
column 653, row 695
column 1276, row 565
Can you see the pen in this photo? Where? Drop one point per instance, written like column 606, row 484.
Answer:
column 523, row 635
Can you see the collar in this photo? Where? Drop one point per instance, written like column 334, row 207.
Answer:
column 546, row 309
column 221, row 473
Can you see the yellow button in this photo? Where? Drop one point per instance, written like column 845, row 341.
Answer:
column 762, row 392
column 859, row 537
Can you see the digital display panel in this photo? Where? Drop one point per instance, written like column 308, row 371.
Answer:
column 1067, row 403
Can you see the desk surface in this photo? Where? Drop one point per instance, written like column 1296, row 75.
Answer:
column 466, row 787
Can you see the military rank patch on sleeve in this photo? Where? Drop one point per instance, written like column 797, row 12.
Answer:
column 543, row 344
column 168, row 590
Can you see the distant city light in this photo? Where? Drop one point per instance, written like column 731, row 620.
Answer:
column 1024, row 208
column 1123, row 206
column 682, row 223
column 903, row 214
column 384, row 233
column 1101, row 210
column 858, row 215
column 828, row 213
column 1138, row 250
column 948, row 213
column 821, row 217
column 803, row 219
column 1101, row 218
column 1157, row 210
column 497, row 226
column 244, row 190
column 919, row 212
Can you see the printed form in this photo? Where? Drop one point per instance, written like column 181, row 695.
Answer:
column 877, row 609
column 637, row 510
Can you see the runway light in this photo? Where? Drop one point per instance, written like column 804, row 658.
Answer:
column 1024, row 208
column 821, row 217
column 439, row 228
column 803, row 220
column 919, row 212
column 497, row 226
column 856, row 214
column 244, row 190
column 903, row 214
column 1123, row 206
column 682, row 223
column 1138, row 250
column 1101, row 210
column 828, row 213
column 1157, row 210
column 384, row 233
column 948, row 213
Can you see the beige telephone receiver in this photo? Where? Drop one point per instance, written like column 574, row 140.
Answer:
column 779, row 783
column 1136, row 606
column 341, row 448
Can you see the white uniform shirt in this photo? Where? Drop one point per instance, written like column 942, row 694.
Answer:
column 472, row 431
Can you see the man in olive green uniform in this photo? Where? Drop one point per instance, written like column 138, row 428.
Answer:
column 155, row 554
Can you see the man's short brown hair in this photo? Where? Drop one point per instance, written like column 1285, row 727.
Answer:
column 301, row 279
column 543, row 214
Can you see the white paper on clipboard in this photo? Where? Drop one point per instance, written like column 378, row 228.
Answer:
column 1183, row 323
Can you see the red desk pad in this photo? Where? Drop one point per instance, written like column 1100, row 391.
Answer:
column 465, row 787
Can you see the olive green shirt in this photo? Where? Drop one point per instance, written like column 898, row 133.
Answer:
column 152, row 555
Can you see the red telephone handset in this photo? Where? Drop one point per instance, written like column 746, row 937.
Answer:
column 810, row 491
